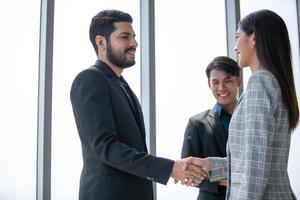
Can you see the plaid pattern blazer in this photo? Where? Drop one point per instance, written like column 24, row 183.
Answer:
column 258, row 144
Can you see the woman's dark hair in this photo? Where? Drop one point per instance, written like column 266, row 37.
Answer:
column 225, row 64
column 103, row 24
column 273, row 50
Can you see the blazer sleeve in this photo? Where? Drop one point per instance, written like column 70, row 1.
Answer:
column 261, row 100
column 219, row 168
column 90, row 97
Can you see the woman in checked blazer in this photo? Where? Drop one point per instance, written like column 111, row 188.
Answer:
column 266, row 113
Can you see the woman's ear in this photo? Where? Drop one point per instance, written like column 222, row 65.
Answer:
column 252, row 37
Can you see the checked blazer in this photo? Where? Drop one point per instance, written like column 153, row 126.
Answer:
column 258, row 144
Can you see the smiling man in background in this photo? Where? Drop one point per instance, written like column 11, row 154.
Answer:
column 207, row 132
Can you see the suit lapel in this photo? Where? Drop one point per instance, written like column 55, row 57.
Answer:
column 217, row 129
column 133, row 102
column 139, row 113
column 135, row 107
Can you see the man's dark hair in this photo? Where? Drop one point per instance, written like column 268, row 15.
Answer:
column 103, row 24
column 225, row 64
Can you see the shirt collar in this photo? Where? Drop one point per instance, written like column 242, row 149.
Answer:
column 219, row 109
column 107, row 70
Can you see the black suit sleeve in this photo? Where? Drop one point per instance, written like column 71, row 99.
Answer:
column 94, row 115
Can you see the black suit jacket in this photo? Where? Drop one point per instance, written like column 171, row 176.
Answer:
column 116, row 164
column 205, row 137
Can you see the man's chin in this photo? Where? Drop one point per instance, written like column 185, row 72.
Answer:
column 223, row 102
column 128, row 64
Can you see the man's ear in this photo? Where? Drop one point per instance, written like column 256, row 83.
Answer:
column 208, row 82
column 101, row 42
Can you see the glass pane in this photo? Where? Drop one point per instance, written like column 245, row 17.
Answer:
column 187, row 39
column 73, row 52
column 19, row 39
column 288, row 11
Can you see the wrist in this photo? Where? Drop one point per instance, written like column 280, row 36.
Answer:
column 207, row 164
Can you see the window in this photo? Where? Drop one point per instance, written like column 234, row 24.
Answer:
column 187, row 39
column 19, row 49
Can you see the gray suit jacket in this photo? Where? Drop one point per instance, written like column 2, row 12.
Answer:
column 258, row 144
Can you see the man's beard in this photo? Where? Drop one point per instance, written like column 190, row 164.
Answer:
column 117, row 58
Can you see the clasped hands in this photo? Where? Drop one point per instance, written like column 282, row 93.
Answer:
column 191, row 171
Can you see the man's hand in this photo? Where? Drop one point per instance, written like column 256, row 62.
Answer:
column 204, row 163
column 190, row 171
column 196, row 164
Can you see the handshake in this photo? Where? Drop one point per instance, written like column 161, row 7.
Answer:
column 191, row 171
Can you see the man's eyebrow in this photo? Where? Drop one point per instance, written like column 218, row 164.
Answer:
column 228, row 77
column 127, row 33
